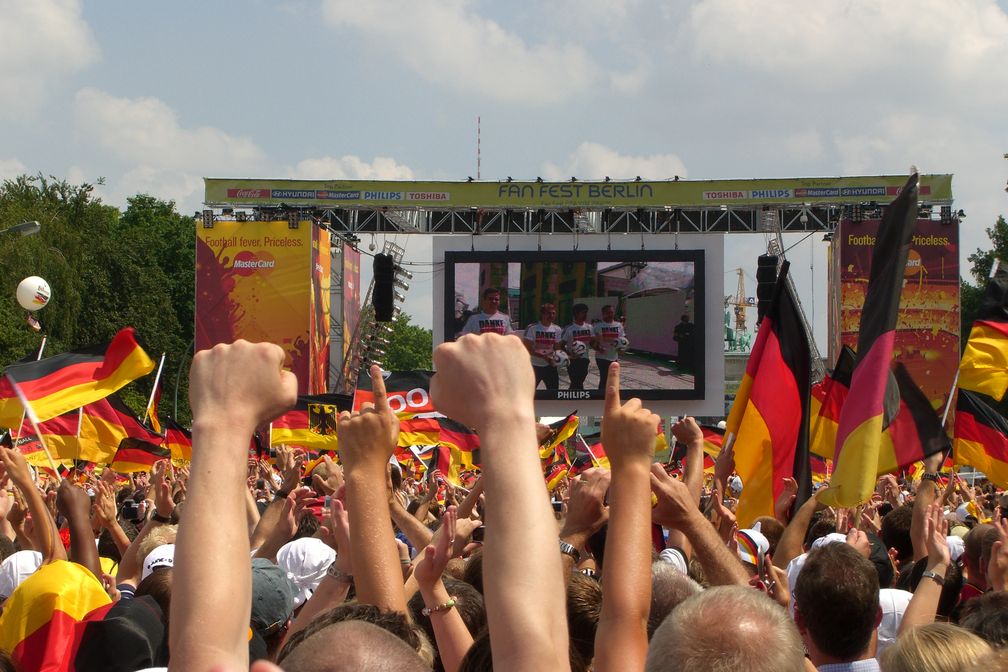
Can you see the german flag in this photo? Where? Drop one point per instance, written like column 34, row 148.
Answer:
column 915, row 433
column 104, row 424
column 828, row 398
column 59, row 434
column 820, row 467
column 770, row 414
column 407, row 391
column 42, row 622
column 152, row 412
column 56, row 385
column 981, row 437
column 137, row 455
column 713, row 439
column 560, row 431
column 873, row 400
column 462, row 447
column 555, row 474
column 422, row 430
column 178, row 441
column 984, row 364
column 311, row 423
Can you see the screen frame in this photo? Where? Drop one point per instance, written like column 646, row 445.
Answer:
column 695, row 256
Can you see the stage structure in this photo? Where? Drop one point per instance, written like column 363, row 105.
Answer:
column 589, row 214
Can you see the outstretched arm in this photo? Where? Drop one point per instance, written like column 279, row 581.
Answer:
column 233, row 389
column 628, row 432
column 525, row 602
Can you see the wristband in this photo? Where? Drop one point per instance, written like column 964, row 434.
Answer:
column 937, row 578
column 930, row 477
column 427, row 611
column 567, row 549
column 280, row 494
column 335, row 573
column 158, row 518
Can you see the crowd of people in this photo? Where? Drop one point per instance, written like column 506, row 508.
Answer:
column 348, row 565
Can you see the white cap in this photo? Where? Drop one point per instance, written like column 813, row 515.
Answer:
column 305, row 561
column 161, row 556
column 675, row 557
column 893, row 603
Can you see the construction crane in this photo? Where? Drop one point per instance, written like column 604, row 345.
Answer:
column 739, row 301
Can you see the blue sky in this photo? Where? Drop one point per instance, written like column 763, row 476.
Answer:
column 154, row 96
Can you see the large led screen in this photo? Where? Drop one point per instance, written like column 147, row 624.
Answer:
column 579, row 311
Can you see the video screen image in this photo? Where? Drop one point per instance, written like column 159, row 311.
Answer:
column 579, row 312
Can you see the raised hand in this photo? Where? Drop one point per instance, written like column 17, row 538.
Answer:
column 368, row 438
column 482, row 379
column 628, row 429
column 242, row 385
column 687, row 430
column 782, row 507
column 435, row 558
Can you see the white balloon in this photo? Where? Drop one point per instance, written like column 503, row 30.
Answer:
column 33, row 293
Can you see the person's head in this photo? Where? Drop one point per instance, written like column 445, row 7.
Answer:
column 935, row 647
column 272, row 602
column 305, row 562
column 159, row 586
column 580, row 311
column 987, row 617
column 547, row 313
column 316, row 641
column 895, row 531
column 726, row 628
column 972, row 550
column 669, row 588
column 473, row 573
column 836, row 600
column 584, row 606
column 684, row 318
column 362, row 647
column 608, row 312
column 490, row 302
column 772, row 529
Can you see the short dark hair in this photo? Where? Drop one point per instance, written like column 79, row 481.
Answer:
column 579, row 307
column 473, row 573
column 584, row 607
column 895, row 531
column 490, row 290
column 836, row 598
column 987, row 617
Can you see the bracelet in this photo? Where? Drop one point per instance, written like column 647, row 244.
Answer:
column 930, row 477
column 934, row 576
column 280, row 494
column 427, row 611
column 158, row 518
column 568, row 549
column 335, row 573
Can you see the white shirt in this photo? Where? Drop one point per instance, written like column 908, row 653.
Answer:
column 482, row 323
column 606, row 334
column 578, row 332
column 543, row 339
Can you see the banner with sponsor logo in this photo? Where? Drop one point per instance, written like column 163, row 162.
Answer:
column 321, row 275
column 254, row 281
column 927, row 329
column 615, row 194
column 351, row 294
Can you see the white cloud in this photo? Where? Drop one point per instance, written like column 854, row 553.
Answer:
column 40, row 42
column 146, row 132
column 450, row 44
column 930, row 44
column 592, row 161
column 11, row 168
column 350, row 167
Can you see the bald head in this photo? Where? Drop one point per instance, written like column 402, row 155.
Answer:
column 353, row 646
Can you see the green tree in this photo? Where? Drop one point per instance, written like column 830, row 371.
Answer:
column 410, row 346
column 981, row 263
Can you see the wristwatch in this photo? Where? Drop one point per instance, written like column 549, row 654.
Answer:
column 930, row 477
column 567, row 549
column 934, row 576
column 335, row 573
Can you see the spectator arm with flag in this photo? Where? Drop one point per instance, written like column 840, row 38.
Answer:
column 984, row 364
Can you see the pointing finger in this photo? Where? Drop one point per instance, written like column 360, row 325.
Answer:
column 612, row 392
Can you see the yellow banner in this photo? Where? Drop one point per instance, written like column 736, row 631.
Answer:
column 254, row 281
column 615, row 194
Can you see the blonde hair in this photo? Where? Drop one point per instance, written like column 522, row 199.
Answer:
column 158, row 536
column 935, row 647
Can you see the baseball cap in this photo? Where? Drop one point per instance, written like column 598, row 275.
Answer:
column 676, row 558
column 272, row 597
column 752, row 546
column 893, row 603
column 16, row 568
column 161, row 556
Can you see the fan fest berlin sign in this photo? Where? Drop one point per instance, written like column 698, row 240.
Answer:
column 684, row 193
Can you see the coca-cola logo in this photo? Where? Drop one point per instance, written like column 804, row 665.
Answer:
column 248, row 263
column 248, row 193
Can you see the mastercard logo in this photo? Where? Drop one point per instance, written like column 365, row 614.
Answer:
column 249, row 263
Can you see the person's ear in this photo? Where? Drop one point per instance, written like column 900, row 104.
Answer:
column 878, row 617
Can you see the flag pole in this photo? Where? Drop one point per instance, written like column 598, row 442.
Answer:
column 17, row 434
column 35, row 425
column 157, row 379
column 589, row 450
